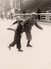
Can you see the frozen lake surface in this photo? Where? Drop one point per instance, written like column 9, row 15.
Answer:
column 37, row 57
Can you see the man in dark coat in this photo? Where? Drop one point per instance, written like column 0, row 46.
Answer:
column 24, row 26
column 28, row 26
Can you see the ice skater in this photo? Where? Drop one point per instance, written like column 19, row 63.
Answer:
column 17, row 36
column 28, row 27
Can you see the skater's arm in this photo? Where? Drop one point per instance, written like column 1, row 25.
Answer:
column 38, row 26
column 11, row 29
column 15, row 22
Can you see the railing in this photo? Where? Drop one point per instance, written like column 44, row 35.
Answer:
column 43, row 16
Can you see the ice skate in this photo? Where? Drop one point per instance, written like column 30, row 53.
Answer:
column 9, row 47
column 29, row 45
column 20, row 50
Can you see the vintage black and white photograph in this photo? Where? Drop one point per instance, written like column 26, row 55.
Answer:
column 25, row 34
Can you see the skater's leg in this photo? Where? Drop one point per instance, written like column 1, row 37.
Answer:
column 11, row 45
column 29, row 37
column 18, row 45
column 15, row 40
column 28, row 44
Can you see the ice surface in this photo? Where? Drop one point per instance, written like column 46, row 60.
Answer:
column 37, row 57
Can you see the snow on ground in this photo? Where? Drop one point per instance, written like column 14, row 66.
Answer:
column 37, row 57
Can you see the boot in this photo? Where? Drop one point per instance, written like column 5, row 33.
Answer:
column 9, row 47
column 28, row 44
column 20, row 50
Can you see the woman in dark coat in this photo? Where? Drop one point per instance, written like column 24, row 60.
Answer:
column 17, row 37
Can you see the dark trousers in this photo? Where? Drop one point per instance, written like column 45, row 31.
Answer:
column 17, row 42
column 17, row 38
